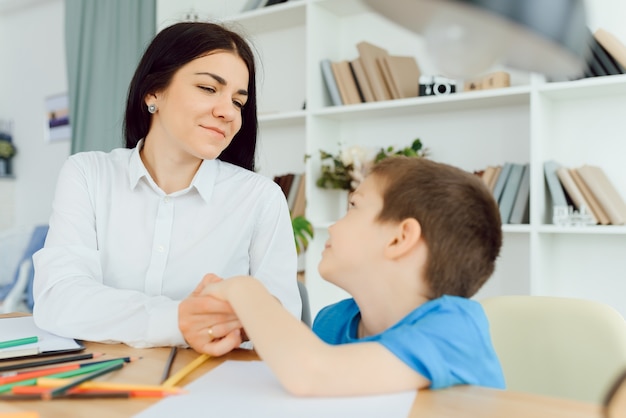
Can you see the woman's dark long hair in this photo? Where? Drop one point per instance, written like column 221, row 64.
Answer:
column 171, row 49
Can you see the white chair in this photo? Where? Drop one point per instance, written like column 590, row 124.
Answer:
column 563, row 347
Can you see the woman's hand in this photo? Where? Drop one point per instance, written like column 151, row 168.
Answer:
column 208, row 324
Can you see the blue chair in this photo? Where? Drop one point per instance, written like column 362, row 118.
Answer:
column 19, row 293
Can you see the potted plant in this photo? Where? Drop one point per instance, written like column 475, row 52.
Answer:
column 7, row 151
column 346, row 170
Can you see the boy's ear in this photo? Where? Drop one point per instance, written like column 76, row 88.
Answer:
column 407, row 234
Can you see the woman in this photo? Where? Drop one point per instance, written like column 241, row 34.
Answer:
column 134, row 231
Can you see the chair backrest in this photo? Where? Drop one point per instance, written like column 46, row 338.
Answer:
column 306, row 307
column 18, row 294
column 564, row 347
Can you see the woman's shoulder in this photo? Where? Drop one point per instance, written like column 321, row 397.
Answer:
column 101, row 157
column 234, row 173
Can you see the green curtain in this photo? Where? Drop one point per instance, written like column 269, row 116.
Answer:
column 104, row 42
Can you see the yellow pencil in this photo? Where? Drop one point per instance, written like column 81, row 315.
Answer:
column 171, row 382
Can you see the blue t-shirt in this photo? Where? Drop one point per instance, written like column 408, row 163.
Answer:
column 446, row 340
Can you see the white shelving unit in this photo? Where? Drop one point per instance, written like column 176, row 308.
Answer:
column 574, row 123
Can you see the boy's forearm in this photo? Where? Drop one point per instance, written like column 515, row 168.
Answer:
column 281, row 340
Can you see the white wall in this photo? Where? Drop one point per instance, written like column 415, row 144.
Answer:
column 32, row 67
column 32, row 56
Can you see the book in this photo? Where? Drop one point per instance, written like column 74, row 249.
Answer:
column 403, row 75
column 488, row 174
column 501, row 181
column 330, row 82
column 299, row 205
column 519, row 213
column 612, row 45
column 494, row 178
column 604, row 191
column 555, row 189
column 594, row 205
column 369, row 53
column 571, row 188
column 510, row 191
column 346, row 81
column 384, row 69
column 599, row 54
column 47, row 345
column 343, row 92
column 356, row 82
column 361, row 80
column 293, row 190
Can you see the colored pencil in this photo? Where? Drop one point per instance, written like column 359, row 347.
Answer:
column 60, row 391
column 53, row 382
column 70, row 373
column 18, row 341
column 48, row 362
column 185, row 371
column 159, row 393
column 168, row 364
column 17, row 376
column 45, row 396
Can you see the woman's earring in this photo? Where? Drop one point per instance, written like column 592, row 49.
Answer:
column 152, row 108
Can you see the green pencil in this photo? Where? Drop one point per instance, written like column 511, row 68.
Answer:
column 19, row 341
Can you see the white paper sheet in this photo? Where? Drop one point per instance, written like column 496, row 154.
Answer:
column 24, row 326
column 250, row 389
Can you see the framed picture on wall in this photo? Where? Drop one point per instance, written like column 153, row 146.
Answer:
column 57, row 118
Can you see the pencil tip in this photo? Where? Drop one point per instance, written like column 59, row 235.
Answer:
column 96, row 355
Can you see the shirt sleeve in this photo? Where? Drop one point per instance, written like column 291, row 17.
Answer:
column 273, row 258
column 70, row 297
column 448, row 346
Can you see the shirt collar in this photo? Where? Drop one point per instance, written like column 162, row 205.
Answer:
column 204, row 180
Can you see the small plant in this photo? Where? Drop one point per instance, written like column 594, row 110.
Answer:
column 7, row 149
column 346, row 170
column 302, row 233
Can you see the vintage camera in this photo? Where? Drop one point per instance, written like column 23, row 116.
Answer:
column 434, row 85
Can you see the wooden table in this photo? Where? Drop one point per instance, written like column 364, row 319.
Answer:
column 455, row 402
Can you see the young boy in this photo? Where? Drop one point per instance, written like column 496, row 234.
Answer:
column 419, row 239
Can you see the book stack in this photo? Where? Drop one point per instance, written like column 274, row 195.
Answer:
column 510, row 185
column 586, row 189
column 292, row 185
column 374, row 75
column 606, row 56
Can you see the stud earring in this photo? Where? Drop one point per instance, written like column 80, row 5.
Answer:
column 152, row 108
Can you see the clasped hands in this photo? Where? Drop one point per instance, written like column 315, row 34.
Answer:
column 207, row 322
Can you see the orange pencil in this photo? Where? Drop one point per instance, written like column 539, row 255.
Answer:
column 37, row 373
column 33, row 390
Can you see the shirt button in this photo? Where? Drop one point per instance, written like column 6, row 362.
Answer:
column 160, row 248
column 166, row 199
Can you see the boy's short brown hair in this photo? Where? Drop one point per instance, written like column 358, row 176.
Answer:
column 459, row 217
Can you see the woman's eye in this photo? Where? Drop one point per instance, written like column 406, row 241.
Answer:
column 207, row 88
column 238, row 104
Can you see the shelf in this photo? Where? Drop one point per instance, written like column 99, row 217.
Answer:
column 511, row 96
column 272, row 18
column 595, row 230
column 274, row 120
column 587, row 88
